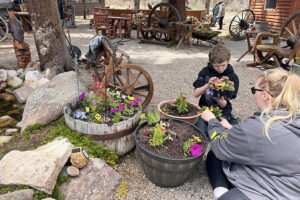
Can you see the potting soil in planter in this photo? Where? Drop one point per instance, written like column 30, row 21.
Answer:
column 172, row 149
column 192, row 111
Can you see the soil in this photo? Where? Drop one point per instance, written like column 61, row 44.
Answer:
column 173, row 149
column 192, row 111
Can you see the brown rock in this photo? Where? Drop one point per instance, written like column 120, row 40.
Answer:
column 73, row 171
column 7, row 97
column 7, row 121
column 4, row 140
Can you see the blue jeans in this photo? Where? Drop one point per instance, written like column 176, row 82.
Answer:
column 202, row 125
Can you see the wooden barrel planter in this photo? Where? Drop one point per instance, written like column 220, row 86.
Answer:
column 166, row 172
column 118, row 137
column 191, row 119
column 23, row 57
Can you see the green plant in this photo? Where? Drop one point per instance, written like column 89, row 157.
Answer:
column 166, row 109
column 223, row 84
column 32, row 129
column 122, row 191
column 159, row 136
column 151, row 118
column 215, row 110
column 192, row 147
column 297, row 60
column 181, row 103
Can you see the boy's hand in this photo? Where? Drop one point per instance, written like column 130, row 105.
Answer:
column 227, row 78
column 212, row 81
column 207, row 115
column 225, row 123
column 221, row 101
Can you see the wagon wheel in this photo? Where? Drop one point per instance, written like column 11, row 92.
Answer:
column 3, row 29
column 134, row 81
column 241, row 22
column 289, row 34
column 160, row 17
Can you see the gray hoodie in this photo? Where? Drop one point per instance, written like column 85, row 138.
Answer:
column 259, row 168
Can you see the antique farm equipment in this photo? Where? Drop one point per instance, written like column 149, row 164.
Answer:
column 158, row 23
column 242, row 21
column 285, row 46
column 3, row 29
column 206, row 35
column 130, row 79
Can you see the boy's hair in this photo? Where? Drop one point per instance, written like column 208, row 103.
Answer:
column 219, row 54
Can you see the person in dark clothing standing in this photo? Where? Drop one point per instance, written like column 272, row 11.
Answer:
column 221, row 13
column 217, row 68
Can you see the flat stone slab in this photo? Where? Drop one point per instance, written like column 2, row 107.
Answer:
column 38, row 168
column 96, row 181
column 23, row 93
column 18, row 195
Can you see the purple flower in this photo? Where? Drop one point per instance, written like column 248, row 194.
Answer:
column 82, row 96
column 94, row 102
column 137, row 100
column 132, row 103
column 79, row 115
column 90, row 95
column 114, row 110
column 121, row 107
column 196, row 149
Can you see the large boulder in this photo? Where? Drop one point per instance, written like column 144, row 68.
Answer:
column 46, row 104
column 96, row 181
column 38, row 169
column 23, row 93
column 18, row 195
column 3, row 75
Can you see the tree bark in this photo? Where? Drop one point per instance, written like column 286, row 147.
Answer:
column 137, row 4
column 207, row 4
column 180, row 6
column 49, row 37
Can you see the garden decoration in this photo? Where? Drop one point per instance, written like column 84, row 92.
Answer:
column 158, row 24
column 179, row 109
column 169, row 149
column 242, row 21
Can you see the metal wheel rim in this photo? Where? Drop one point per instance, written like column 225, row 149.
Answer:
column 242, row 18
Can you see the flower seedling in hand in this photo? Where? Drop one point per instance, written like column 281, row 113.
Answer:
column 215, row 110
column 223, row 84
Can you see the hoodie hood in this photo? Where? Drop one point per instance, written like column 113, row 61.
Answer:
column 227, row 71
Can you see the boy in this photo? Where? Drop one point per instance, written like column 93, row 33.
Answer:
column 217, row 68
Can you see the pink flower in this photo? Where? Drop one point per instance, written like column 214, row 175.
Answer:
column 90, row 95
column 132, row 103
column 114, row 110
column 82, row 95
column 94, row 102
column 137, row 100
column 196, row 149
column 121, row 107
column 146, row 133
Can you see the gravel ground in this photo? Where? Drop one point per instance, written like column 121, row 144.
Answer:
column 173, row 71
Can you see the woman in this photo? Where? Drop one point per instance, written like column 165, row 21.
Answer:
column 258, row 158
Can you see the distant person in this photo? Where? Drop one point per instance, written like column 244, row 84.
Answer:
column 217, row 68
column 215, row 12
column 257, row 159
column 221, row 14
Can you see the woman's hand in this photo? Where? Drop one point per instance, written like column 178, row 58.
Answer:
column 225, row 123
column 207, row 115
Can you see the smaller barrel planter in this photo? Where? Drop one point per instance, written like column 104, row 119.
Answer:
column 163, row 171
column 191, row 119
column 118, row 137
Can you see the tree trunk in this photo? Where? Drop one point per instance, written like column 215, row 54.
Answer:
column 207, row 4
column 137, row 4
column 49, row 36
column 84, row 8
column 180, row 6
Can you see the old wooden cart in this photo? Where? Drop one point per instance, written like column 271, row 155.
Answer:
column 206, row 35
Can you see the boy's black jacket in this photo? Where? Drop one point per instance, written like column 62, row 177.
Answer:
column 207, row 98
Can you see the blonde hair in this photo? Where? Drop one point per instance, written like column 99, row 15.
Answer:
column 284, row 87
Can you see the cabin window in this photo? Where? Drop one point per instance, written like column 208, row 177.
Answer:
column 270, row 4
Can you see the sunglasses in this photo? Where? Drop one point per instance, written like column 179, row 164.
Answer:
column 253, row 90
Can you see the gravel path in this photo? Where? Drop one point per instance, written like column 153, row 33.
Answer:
column 173, row 71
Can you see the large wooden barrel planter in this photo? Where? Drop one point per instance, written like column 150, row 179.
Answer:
column 191, row 119
column 166, row 172
column 118, row 137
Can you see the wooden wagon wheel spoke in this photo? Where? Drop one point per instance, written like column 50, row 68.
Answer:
column 136, row 78
column 289, row 32
column 142, row 87
column 241, row 19
column 119, row 79
column 171, row 18
column 115, row 86
column 128, row 76
column 140, row 94
column 294, row 27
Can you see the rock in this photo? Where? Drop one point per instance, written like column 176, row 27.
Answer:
column 7, row 121
column 23, row 93
column 49, row 199
column 73, row 171
column 36, row 66
column 14, row 82
column 46, row 104
column 3, row 75
column 11, row 73
column 3, row 85
column 26, row 194
column 97, row 180
column 11, row 131
column 38, row 168
column 19, row 125
column 33, row 75
column 20, row 71
column 39, row 83
column 7, row 97
column 4, row 140
column 63, row 172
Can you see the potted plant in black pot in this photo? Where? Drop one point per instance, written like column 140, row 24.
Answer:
column 169, row 149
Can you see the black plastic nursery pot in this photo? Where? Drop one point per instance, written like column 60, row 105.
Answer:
column 167, row 172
